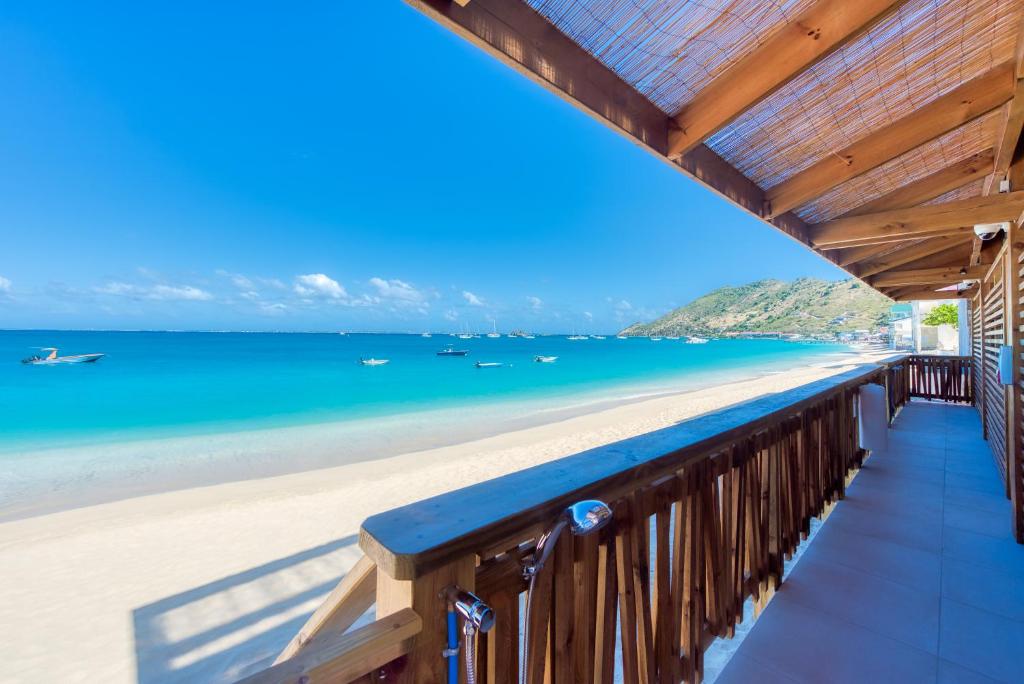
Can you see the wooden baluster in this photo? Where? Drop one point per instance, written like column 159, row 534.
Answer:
column 642, row 584
column 607, row 600
column 585, row 570
column 665, row 656
column 538, row 626
column 624, row 557
column 562, row 633
column 502, row 650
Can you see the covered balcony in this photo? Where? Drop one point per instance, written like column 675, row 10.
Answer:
column 796, row 532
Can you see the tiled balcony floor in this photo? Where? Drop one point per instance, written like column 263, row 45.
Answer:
column 913, row 578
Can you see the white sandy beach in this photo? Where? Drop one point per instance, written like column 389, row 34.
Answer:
column 207, row 584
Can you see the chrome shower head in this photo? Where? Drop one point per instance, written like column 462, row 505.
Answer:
column 589, row 516
column 582, row 518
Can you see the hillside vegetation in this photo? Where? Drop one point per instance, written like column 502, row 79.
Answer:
column 807, row 306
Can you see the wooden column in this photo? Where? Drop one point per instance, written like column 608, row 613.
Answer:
column 425, row 662
column 1011, row 326
column 981, row 393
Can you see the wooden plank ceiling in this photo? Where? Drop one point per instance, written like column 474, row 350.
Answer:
column 874, row 132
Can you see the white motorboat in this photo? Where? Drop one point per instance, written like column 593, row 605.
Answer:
column 51, row 359
column 597, row 337
column 426, row 334
column 545, row 359
column 696, row 340
column 373, row 362
column 488, row 364
column 655, row 339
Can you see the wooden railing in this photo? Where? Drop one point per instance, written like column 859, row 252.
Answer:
column 942, row 378
column 715, row 504
column 897, row 383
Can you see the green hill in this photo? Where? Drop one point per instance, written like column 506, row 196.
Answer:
column 807, row 306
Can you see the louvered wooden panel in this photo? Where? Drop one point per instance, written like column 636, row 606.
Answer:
column 993, row 335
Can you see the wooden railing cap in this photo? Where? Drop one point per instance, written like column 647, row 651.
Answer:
column 409, row 541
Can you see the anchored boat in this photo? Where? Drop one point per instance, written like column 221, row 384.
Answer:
column 52, row 359
column 449, row 351
column 373, row 362
column 545, row 359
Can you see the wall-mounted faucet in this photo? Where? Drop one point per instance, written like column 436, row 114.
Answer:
column 477, row 616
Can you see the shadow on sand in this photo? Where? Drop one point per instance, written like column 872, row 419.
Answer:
column 238, row 624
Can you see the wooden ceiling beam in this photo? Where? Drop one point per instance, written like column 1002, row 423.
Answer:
column 928, row 276
column 806, row 39
column 905, row 255
column 973, row 168
column 926, row 294
column 916, row 221
column 970, row 100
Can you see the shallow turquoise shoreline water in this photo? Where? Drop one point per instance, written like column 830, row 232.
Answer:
column 163, row 384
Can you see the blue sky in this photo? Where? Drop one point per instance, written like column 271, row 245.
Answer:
column 194, row 165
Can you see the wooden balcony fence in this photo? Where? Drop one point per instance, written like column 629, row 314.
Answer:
column 713, row 505
column 941, row 378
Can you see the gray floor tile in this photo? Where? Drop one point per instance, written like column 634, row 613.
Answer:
column 981, row 641
column 998, row 592
column 981, row 549
column 978, row 520
column 743, row 669
column 868, row 601
column 810, row 646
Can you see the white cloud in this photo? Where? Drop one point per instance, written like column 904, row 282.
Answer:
column 472, row 298
column 156, row 292
column 451, row 315
column 398, row 290
column 589, row 316
column 319, row 285
column 5, row 284
column 115, row 288
column 273, row 308
column 183, row 292
column 536, row 303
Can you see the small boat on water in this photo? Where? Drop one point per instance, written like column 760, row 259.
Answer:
column 597, row 337
column 696, row 340
column 426, row 334
column 529, row 337
column 545, row 359
column 488, row 364
column 51, row 359
column 672, row 337
column 620, row 337
column 494, row 330
column 373, row 362
column 450, row 351
column 577, row 337
column 655, row 339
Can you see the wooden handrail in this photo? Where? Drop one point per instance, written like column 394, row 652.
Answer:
column 409, row 541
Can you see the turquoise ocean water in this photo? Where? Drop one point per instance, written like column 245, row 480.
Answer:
column 154, row 384
column 166, row 410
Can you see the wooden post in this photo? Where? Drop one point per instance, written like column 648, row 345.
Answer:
column 982, row 393
column 1011, row 327
column 425, row 662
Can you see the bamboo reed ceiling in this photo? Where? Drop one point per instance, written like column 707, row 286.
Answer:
column 670, row 50
column 971, row 138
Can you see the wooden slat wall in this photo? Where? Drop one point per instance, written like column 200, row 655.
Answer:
column 993, row 335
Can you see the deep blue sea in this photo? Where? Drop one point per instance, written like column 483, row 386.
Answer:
column 158, row 384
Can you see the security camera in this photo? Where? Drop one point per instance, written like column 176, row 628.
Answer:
column 987, row 231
